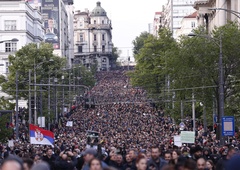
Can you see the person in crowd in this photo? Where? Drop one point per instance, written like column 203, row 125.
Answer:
column 190, row 164
column 201, row 164
column 175, row 155
column 156, row 161
column 50, row 158
column 27, row 163
column 12, row 163
column 141, row 162
column 95, row 164
column 167, row 156
column 41, row 166
column 66, row 161
column 196, row 152
column 128, row 163
column 210, row 165
column 88, row 155
column 221, row 164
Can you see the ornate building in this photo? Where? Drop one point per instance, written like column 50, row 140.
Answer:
column 209, row 16
column 93, row 38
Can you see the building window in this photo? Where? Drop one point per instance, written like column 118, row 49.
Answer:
column 95, row 37
column 10, row 47
column 81, row 38
column 80, row 49
column 104, row 60
column 95, row 22
column 95, row 48
column 103, row 37
column 10, row 24
column 103, row 48
column 102, row 21
column 193, row 24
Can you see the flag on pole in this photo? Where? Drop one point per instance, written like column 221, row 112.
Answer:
column 40, row 136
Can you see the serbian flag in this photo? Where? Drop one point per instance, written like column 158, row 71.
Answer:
column 40, row 136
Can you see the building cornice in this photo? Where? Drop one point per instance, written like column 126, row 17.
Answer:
column 200, row 3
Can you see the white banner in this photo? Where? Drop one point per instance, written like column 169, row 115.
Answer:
column 69, row 123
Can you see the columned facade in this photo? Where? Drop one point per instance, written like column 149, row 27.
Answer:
column 211, row 18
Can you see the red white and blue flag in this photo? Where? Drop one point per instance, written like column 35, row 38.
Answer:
column 40, row 136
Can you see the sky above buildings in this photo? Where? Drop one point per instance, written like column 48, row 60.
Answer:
column 129, row 19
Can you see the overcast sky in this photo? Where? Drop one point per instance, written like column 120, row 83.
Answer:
column 129, row 18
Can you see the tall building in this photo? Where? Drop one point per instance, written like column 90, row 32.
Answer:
column 93, row 38
column 56, row 20
column 157, row 22
column 187, row 25
column 18, row 20
column 70, row 12
column 175, row 11
column 211, row 18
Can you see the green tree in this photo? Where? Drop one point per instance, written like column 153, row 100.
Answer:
column 31, row 57
column 5, row 130
column 138, row 42
column 151, row 70
column 195, row 68
column 115, row 55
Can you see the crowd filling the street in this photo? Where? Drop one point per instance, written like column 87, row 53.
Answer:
column 120, row 130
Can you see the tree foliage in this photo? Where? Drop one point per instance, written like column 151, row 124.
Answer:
column 138, row 42
column 5, row 129
column 190, row 65
column 31, row 57
column 150, row 72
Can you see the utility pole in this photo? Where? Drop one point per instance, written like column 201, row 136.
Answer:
column 49, row 101
column 193, row 113
column 55, row 106
column 35, row 94
column 40, row 102
column 181, row 110
column 29, row 99
column 17, row 123
column 62, row 96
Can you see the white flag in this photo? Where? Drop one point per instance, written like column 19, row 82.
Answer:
column 69, row 123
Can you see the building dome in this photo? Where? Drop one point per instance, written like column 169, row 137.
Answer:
column 98, row 10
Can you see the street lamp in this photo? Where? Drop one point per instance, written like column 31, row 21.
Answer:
column 12, row 40
column 220, row 83
column 237, row 14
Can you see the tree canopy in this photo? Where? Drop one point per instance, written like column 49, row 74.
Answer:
column 191, row 65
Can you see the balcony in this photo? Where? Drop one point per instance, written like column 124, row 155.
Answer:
column 100, row 26
column 81, row 43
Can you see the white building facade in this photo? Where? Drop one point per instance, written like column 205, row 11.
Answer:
column 210, row 18
column 157, row 23
column 18, row 20
column 175, row 11
column 93, row 38
column 187, row 25
column 58, row 25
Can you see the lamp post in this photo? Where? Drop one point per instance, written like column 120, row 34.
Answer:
column 35, row 88
column 236, row 13
column 220, row 84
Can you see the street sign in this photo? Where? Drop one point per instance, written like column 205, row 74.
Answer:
column 228, row 127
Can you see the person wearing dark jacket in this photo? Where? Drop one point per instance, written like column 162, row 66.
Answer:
column 221, row 165
column 156, row 162
column 66, row 161
column 50, row 158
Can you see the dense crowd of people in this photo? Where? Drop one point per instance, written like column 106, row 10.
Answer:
column 122, row 132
